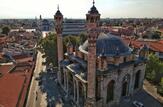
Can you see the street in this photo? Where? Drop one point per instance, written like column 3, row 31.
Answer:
column 56, row 97
column 143, row 97
column 34, row 96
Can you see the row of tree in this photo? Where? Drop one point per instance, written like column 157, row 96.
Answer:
column 154, row 72
column 48, row 46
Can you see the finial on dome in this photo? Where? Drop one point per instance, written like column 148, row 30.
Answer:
column 93, row 2
column 58, row 7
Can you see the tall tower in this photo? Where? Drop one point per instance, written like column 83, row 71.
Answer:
column 92, row 19
column 40, row 23
column 58, row 17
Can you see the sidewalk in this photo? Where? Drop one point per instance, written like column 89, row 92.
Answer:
column 31, row 101
column 152, row 90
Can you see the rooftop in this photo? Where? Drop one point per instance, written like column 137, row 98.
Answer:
column 156, row 46
column 14, row 84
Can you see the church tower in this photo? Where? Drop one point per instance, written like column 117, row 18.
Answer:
column 92, row 19
column 58, row 17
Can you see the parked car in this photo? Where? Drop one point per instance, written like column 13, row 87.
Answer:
column 137, row 104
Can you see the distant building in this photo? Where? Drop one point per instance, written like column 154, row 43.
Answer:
column 73, row 27
column 45, row 25
column 154, row 46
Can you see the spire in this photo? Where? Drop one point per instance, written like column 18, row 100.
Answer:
column 58, row 7
column 93, row 2
column 58, row 13
column 93, row 9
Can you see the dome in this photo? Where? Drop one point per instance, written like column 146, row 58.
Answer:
column 58, row 13
column 109, row 45
column 93, row 10
column 45, row 22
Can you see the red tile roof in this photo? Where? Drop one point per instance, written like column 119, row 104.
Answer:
column 11, row 86
column 153, row 45
column 14, row 85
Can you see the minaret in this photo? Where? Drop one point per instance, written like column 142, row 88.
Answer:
column 58, row 17
column 92, row 18
column 40, row 23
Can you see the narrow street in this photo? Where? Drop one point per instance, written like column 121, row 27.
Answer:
column 34, row 96
column 56, row 97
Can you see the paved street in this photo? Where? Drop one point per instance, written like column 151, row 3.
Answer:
column 34, row 98
column 55, row 95
column 143, row 97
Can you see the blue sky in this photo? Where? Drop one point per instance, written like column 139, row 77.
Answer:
column 78, row 8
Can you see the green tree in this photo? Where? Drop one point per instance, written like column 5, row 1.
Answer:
column 83, row 37
column 5, row 30
column 75, row 40
column 160, row 87
column 156, row 35
column 48, row 46
column 154, row 69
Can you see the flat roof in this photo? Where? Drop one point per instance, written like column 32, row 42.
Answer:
column 14, row 85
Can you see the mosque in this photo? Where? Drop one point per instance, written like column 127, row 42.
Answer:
column 101, row 71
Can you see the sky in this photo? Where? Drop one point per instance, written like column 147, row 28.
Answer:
column 78, row 8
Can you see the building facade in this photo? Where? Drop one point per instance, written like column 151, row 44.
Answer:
column 101, row 71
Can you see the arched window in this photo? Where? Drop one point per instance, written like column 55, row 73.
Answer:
column 81, row 94
column 137, row 80
column 125, row 85
column 110, row 91
column 92, row 20
column 70, row 83
column 125, row 59
column 62, row 76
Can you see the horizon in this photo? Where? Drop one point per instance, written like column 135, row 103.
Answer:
column 19, row 9
column 78, row 18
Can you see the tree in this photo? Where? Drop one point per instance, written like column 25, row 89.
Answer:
column 83, row 37
column 75, row 40
column 48, row 46
column 160, row 87
column 5, row 30
column 156, row 36
column 154, row 69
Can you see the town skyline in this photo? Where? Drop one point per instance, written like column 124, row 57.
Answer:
column 108, row 8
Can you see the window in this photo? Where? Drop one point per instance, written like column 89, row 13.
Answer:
column 110, row 91
column 137, row 80
column 125, row 59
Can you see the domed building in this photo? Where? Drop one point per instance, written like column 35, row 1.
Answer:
column 45, row 24
column 101, row 71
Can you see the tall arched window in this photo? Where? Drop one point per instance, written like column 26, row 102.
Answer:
column 70, row 83
column 137, row 80
column 125, row 85
column 110, row 91
column 62, row 76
